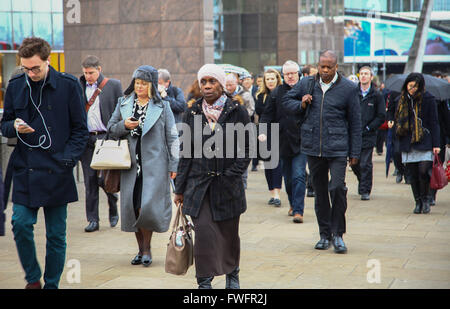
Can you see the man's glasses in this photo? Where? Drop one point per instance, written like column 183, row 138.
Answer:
column 35, row 69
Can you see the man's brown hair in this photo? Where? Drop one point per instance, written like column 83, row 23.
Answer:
column 34, row 46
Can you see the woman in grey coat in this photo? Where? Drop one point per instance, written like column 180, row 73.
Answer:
column 147, row 122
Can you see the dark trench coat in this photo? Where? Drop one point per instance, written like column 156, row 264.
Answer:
column 222, row 175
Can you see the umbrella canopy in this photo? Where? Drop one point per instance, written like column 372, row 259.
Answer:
column 439, row 88
column 230, row 68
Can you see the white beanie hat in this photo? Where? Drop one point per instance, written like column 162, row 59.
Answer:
column 212, row 70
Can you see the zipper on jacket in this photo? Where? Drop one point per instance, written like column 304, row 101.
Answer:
column 321, row 127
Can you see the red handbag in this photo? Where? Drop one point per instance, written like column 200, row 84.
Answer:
column 447, row 171
column 438, row 177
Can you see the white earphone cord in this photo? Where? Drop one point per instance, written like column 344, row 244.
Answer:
column 42, row 138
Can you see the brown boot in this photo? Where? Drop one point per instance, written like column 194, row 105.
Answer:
column 298, row 218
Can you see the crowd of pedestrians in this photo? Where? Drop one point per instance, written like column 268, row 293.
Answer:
column 317, row 120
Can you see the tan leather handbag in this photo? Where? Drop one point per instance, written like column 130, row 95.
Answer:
column 111, row 155
column 180, row 249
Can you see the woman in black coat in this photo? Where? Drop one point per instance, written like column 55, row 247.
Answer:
column 209, row 177
column 416, row 125
column 272, row 79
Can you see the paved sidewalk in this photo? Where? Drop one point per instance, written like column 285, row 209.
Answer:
column 410, row 251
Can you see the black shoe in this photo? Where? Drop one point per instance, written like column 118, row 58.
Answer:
column 365, row 197
column 113, row 220
column 339, row 245
column 418, row 208
column 322, row 244
column 399, row 178
column 93, row 226
column 146, row 260
column 276, row 202
column 205, row 283
column 232, row 280
column 310, row 193
column 254, row 169
column 137, row 260
column 270, row 202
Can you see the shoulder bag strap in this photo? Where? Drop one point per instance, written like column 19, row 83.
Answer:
column 96, row 93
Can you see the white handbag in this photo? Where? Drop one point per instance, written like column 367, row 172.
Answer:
column 111, row 155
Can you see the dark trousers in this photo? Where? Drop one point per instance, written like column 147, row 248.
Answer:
column 274, row 176
column 92, row 183
column 23, row 221
column 420, row 173
column 381, row 138
column 330, row 202
column 364, row 171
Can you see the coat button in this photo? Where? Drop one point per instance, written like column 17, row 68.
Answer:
column 30, row 170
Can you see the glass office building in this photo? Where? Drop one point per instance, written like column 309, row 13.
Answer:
column 245, row 33
column 24, row 18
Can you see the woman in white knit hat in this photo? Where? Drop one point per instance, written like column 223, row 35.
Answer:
column 210, row 186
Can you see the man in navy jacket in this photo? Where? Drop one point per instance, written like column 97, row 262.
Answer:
column 45, row 110
column 373, row 114
column 329, row 107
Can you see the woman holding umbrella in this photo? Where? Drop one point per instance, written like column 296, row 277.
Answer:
column 416, row 125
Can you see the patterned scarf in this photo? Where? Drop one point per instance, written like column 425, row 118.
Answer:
column 212, row 112
column 407, row 124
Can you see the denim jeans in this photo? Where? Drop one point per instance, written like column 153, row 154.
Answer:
column 23, row 219
column 294, row 172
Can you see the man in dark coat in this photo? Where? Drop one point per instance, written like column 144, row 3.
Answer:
column 100, row 95
column 373, row 114
column 331, row 132
column 292, row 159
column 172, row 94
column 45, row 110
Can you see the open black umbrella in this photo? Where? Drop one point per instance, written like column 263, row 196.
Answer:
column 438, row 87
column 389, row 149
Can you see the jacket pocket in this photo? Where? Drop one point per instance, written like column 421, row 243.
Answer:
column 337, row 138
column 307, row 137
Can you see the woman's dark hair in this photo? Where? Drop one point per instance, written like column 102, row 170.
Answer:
column 34, row 46
column 420, row 81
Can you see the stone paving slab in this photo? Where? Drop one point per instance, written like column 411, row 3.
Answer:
column 412, row 250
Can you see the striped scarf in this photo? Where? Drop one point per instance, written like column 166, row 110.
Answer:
column 405, row 123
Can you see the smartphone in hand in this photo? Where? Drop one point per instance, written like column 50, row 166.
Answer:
column 133, row 118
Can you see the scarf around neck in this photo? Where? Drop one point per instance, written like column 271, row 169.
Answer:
column 408, row 120
column 212, row 112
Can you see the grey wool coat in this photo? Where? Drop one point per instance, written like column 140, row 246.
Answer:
column 159, row 156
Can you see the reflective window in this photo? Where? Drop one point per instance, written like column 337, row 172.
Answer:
column 245, row 33
column 42, row 26
column 57, row 6
column 21, row 5
column 23, row 27
column 5, row 31
column 58, row 31
column 5, row 5
column 23, row 18
column 41, row 5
